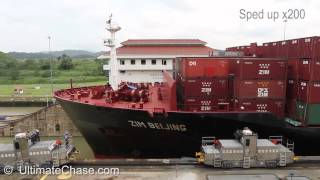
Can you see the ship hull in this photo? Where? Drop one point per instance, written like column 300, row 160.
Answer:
column 118, row 132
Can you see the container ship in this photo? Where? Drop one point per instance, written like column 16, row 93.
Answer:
column 273, row 89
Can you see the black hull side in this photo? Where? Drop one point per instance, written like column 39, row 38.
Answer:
column 115, row 132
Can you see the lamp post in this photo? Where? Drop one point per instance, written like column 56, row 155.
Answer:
column 284, row 29
column 50, row 59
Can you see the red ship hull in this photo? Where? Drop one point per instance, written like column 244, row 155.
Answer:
column 122, row 132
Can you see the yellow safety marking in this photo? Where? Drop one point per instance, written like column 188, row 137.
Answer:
column 296, row 158
column 65, row 175
column 44, row 177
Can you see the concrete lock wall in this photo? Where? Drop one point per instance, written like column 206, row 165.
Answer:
column 50, row 121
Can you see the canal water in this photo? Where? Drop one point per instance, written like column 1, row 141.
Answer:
column 79, row 142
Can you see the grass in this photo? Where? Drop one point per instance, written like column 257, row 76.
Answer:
column 45, row 89
column 34, row 79
column 85, row 70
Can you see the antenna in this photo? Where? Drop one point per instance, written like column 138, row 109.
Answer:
column 112, row 27
column 110, row 19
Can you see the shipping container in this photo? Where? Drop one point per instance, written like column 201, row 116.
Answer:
column 294, row 48
column 253, row 51
column 292, row 89
column 316, row 51
column 291, row 109
column 260, row 69
column 309, row 69
column 275, row 89
column 191, row 67
column 274, row 49
column 206, row 104
column 293, row 69
column 307, row 47
column 217, row 68
column 267, row 50
column 308, row 113
column 205, row 87
column 309, row 91
column 259, row 52
column 276, row 107
column 283, row 49
column 203, row 67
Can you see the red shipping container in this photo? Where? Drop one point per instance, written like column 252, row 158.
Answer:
column 308, row 46
column 253, row 51
column 291, row 109
column 274, row 49
column 309, row 69
column 275, row 89
column 283, row 49
column 292, row 89
column 205, row 104
column 261, row 69
column 294, row 48
column 259, row 51
column 309, row 91
column 245, row 50
column 316, row 51
column 293, row 69
column 191, row 67
column 276, row 107
column 217, row 68
column 205, row 87
column 204, row 67
column 267, row 50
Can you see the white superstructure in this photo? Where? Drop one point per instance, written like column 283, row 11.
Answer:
column 111, row 43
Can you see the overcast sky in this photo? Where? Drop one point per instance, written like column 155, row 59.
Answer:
column 80, row 24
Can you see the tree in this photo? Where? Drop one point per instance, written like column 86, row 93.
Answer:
column 46, row 74
column 44, row 64
column 12, row 64
column 100, row 63
column 14, row 74
column 29, row 64
column 65, row 62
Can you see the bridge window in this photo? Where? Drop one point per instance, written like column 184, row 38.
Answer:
column 164, row 62
column 153, row 62
column 57, row 127
column 247, row 142
column 133, row 62
column 122, row 62
column 143, row 61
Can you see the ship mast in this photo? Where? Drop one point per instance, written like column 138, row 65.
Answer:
column 111, row 43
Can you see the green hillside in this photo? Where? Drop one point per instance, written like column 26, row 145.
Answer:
column 37, row 71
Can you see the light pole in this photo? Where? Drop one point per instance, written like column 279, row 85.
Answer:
column 284, row 29
column 50, row 59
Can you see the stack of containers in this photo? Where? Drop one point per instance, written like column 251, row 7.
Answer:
column 202, row 84
column 308, row 104
column 292, row 87
column 303, row 81
column 260, row 85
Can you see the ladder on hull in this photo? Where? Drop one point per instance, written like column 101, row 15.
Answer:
column 55, row 159
column 217, row 160
column 246, row 162
column 283, row 159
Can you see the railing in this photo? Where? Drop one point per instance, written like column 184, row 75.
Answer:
column 279, row 140
column 17, row 98
column 207, row 140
